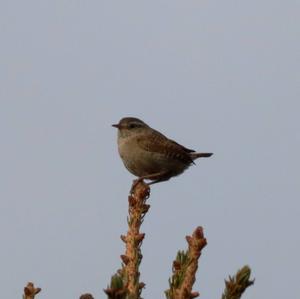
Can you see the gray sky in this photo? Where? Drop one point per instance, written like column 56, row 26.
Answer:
column 220, row 76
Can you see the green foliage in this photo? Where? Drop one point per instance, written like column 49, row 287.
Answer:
column 180, row 265
column 236, row 285
column 117, row 288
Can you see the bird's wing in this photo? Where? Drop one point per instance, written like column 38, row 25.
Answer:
column 158, row 143
column 188, row 150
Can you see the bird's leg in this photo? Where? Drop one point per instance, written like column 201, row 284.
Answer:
column 154, row 175
column 160, row 175
column 135, row 182
column 158, row 181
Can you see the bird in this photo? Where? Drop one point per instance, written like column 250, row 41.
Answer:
column 150, row 155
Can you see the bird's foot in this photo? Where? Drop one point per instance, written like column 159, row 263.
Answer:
column 135, row 183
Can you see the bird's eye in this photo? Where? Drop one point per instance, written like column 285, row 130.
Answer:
column 132, row 126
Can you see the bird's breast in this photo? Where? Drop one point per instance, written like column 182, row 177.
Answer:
column 143, row 162
column 133, row 156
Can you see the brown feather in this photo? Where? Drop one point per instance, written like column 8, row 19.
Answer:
column 158, row 143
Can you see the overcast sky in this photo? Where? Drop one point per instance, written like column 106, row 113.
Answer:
column 217, row 76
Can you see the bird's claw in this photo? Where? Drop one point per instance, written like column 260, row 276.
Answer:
column 135, row 183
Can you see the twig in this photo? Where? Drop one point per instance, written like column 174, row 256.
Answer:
column 30, row 291
column 235, row 286
column 126, row 284
column 185, row 267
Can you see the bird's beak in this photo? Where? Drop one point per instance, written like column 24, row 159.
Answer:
column 116, row 126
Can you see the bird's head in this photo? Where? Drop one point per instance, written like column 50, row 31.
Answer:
column 128, row 126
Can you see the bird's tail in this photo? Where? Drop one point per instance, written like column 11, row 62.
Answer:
column 195, row 156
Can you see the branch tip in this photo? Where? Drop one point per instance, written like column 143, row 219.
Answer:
column 30, row 291
column 86, row 296
column 185, row 267
column 235, row 286
column 129, row 275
